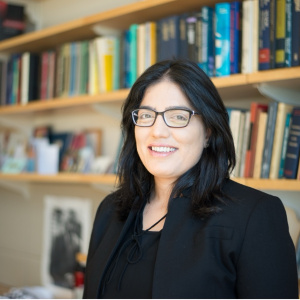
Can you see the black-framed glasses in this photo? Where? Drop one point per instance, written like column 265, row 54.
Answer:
column 173, row 117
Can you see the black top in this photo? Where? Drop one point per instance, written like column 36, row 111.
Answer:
column 130, row 274
column 134, row 280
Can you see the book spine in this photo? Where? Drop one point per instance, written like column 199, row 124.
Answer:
column 280, row 33
column 25, row 77
column 295, row 33
column 222, row 39
column 133, row 54
column 282, row 111
column 284, row 145
column 272, row 33
column 191, row 36
column 183, row 45
column 269, row 138
column 264, row 35
column 293, row 146
column 235, row 30
column 288, row 34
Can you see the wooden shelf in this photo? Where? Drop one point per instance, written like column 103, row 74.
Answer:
column 59, row 103
column 110, row 180
column 119, row 18
column 232, row 81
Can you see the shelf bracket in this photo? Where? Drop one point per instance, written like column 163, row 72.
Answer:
column 20, row 188
column 280, row 94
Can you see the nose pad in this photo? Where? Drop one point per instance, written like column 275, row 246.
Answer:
column 160, row 128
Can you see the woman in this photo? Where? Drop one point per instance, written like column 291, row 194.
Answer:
column 178, row 227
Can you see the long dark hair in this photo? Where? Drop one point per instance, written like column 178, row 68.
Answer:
column 206, row 178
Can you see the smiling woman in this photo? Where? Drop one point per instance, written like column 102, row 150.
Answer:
column 177, row 226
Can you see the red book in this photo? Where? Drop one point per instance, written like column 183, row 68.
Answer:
column 255, row 109
column 44, row 75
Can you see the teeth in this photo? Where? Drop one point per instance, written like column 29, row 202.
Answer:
column 163, row 149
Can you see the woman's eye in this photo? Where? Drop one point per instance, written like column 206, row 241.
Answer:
column 145, row 116
column 179, row 117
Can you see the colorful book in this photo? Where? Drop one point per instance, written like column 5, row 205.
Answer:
column 293, row 146
column 208, row 41
column 255, row 110
column 295, row 33
column 132, row 54
column 261, row 133
column 235, row 35
column 268, row 145
column 272, row 14
column 264, row 35
column 280, row 33
column 288, row 34
column 282, row 111
column 222, row 39
column 284, row 144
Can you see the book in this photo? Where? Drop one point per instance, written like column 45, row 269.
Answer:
column 183, row 45
column 269, row 138
column 244, row 142
column 261, row 132
column 280, row 33
column 284, row 145
column 151, row 37
column 44, row 75
column 132, row 54
column 272, row 14
column 247, row 37
column 255, row 109
column 235, row 36
column 293, row 146
column 141, row 49
column 191, row 22
column 264, row 35
column 222, row 39
column 282, row 111
column 255, row 35
column 208, row 41
column 288, row 34
column 93, row 83
column 295, row 33
column 30, row 77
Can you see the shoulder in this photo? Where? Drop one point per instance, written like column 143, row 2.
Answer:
column 247, row 202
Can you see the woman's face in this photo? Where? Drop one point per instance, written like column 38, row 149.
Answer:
column 167, row 152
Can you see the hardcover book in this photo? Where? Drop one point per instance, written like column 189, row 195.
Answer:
column 293, row 146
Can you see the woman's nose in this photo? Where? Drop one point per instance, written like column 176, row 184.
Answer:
column 160, row 128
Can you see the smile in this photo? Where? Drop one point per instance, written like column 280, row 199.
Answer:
column 163, row 149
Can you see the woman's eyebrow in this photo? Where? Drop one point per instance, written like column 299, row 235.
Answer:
column 169, row 107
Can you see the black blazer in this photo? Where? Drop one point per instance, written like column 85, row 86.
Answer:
column 243, row 252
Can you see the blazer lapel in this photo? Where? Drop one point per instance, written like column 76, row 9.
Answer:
column 104, row 254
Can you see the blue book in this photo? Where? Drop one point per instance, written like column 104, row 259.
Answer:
column 295, row 33
column 174, row 36
column 222, row 39
column 269, row 138
column 235, row 37
column 284, row 144
column 272, row 14
column 208, row 41
column 293, row 146
column 132, row 54
column 183, row 45
column 126, row 59
column 264, row 35
column 288, row 34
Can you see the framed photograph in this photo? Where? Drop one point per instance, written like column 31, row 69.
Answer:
column 67, row 225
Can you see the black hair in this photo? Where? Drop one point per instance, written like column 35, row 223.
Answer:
column 206, row 178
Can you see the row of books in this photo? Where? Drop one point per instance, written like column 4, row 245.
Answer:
column 225, row 39
column 267, row 140
column 48, row 152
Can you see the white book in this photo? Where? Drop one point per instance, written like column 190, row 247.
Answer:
column 235, row 118
column 262, row 125
column 255, row 36
column 25, row 60
column 245, row 138
column 240, row 144
column 247, row 37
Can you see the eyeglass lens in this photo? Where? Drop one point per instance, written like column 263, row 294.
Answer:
column 172, row 117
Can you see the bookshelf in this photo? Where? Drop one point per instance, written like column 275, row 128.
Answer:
column 119, row 19
column 110, row 180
